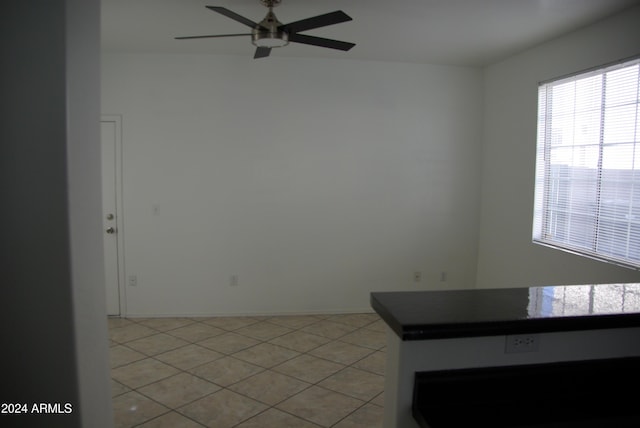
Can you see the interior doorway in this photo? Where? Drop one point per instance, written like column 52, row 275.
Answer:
column 112, row 222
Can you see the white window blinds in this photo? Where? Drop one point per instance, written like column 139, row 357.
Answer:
column 587, row 195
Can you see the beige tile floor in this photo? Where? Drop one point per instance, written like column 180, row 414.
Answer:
column 248, row 372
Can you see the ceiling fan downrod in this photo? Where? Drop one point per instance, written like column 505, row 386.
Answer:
column 270, row 3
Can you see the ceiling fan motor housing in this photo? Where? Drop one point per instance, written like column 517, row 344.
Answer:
column 267, row 34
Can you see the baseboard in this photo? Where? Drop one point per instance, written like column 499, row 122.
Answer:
column 249, row 314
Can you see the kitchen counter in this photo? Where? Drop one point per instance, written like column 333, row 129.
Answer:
column 419, row 315
column 442, row 334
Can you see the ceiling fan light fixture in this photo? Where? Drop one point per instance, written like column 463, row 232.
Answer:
column 267, row 39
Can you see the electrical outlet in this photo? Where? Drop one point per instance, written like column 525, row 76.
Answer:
column 417, row 276
column 133, row 280
column 517, row 343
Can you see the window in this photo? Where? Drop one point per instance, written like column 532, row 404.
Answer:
column 587, row 191
column 578, row 300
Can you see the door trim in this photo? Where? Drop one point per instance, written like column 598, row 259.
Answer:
column 117, row 120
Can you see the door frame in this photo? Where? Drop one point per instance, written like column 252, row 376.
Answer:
column 117, row 120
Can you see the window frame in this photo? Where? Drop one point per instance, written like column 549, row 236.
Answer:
column 543, row 211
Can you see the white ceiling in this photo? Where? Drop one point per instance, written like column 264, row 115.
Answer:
column 453, row 32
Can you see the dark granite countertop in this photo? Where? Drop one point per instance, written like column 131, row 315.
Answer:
column 419, row 315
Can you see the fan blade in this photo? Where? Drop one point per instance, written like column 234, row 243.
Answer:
column 229, row 14
column 261, row 52
column 315, row 22
column 319, row 41
column 211, row 36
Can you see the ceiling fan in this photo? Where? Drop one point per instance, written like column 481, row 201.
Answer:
column 271, row 33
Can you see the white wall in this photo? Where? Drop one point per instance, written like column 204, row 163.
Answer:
column 53, row 323
column 506, row 255
column 314, row 181
column 84, row 197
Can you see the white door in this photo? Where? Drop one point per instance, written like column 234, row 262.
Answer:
column 111, row 218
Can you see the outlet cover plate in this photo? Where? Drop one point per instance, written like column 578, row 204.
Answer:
column 518, row 343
